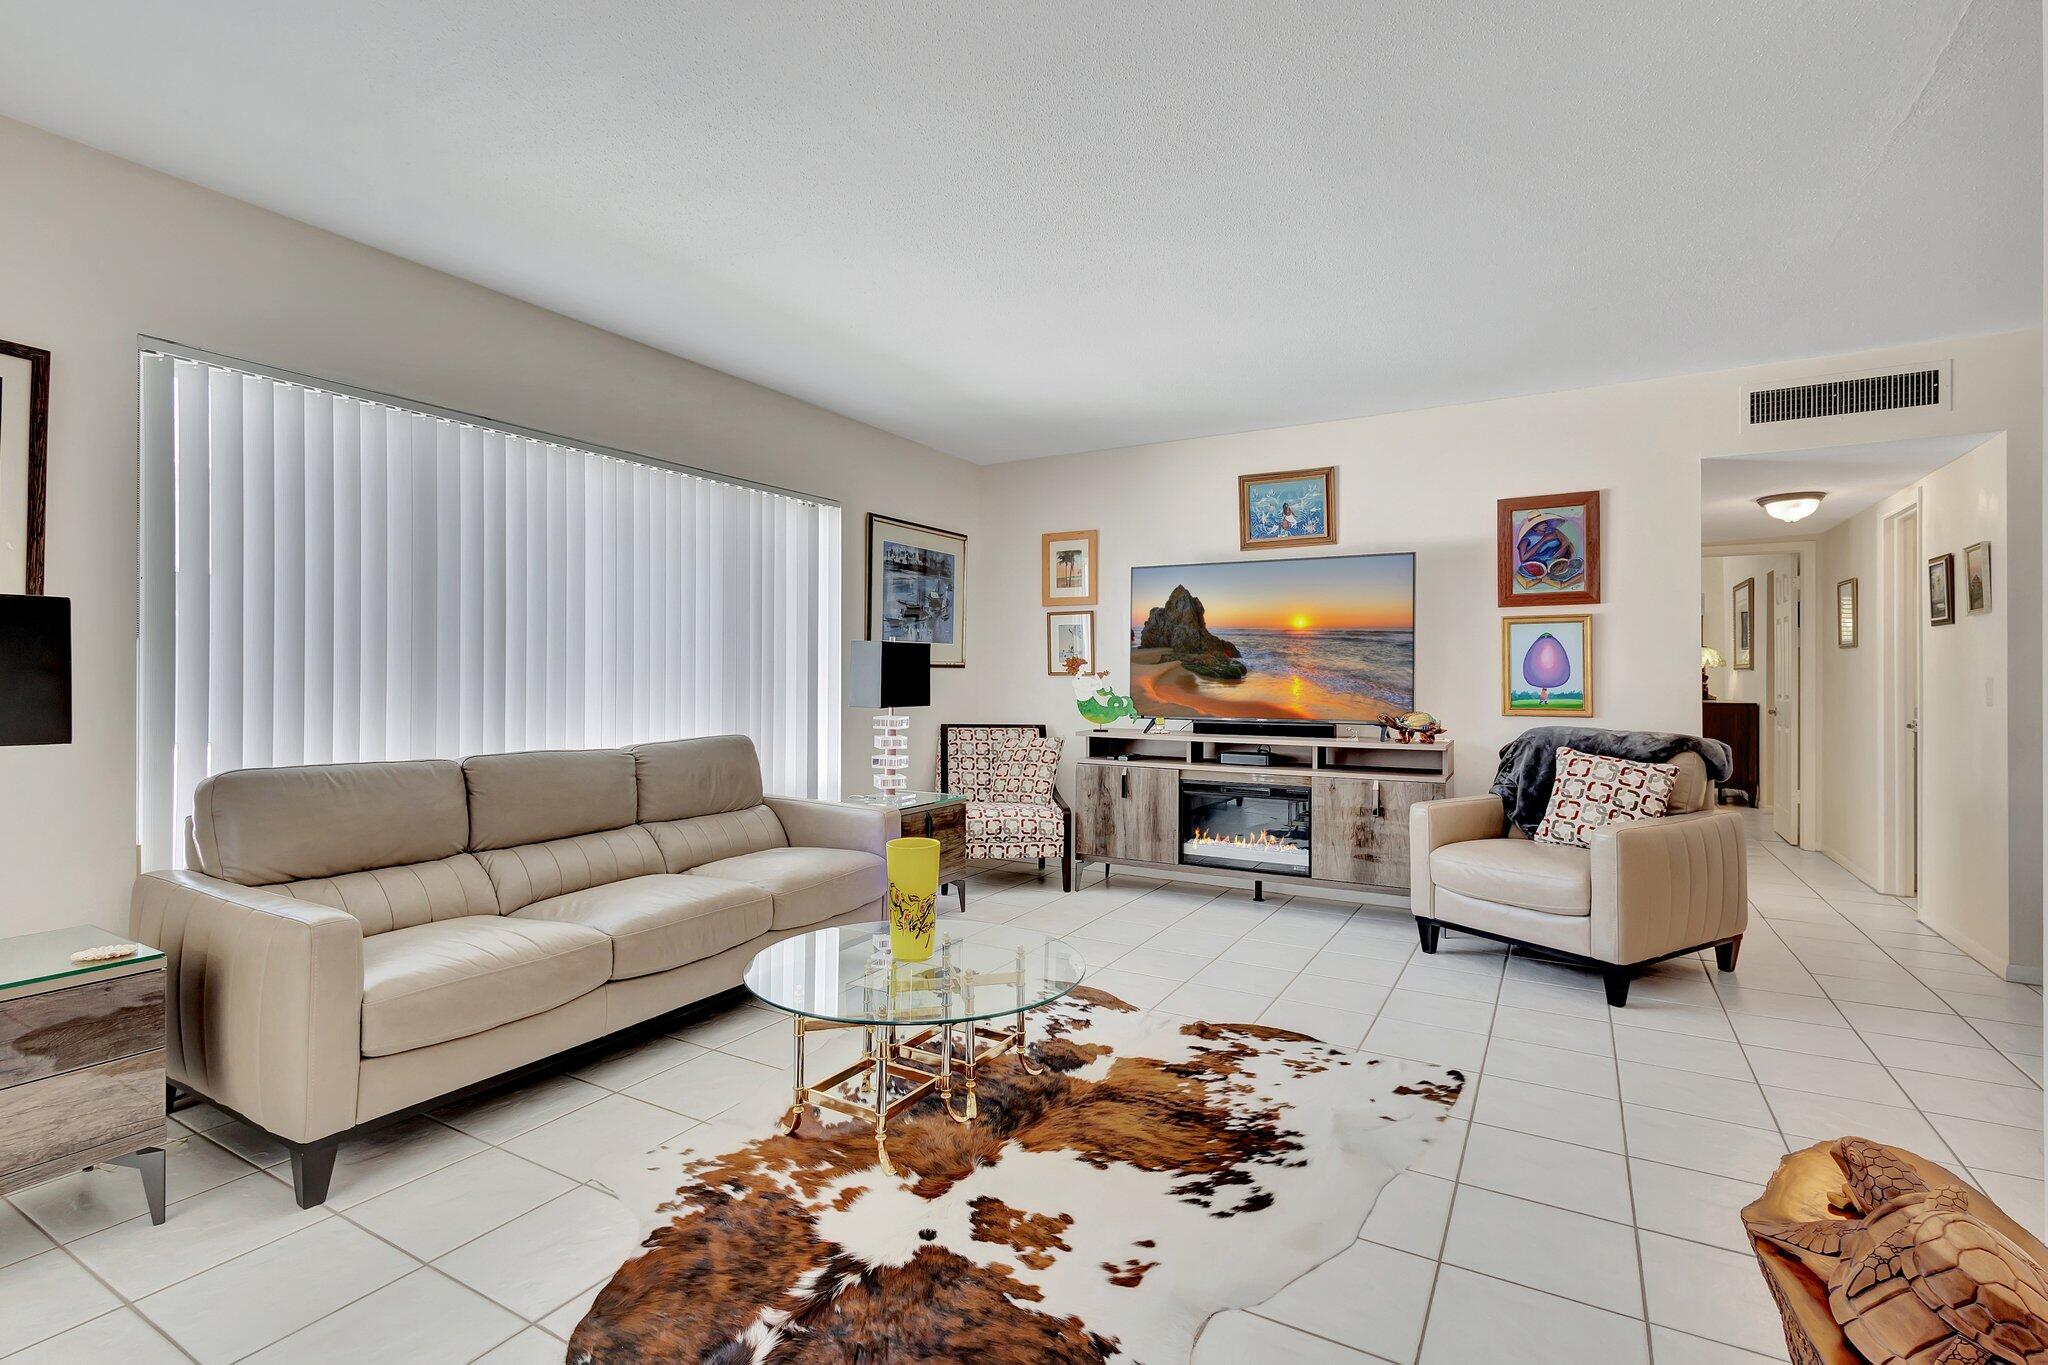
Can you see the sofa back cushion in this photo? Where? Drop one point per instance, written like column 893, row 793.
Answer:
column 547, row 794
column 556, row 867
column 261, row 826
column 681, row 778
column 701, row 799
column 387, row 898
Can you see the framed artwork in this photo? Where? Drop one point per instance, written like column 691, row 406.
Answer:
column 1977, row 576
column 1845, row 614
column 1546, row 665
column 1066, row 567
column 1547, row 550
column 24, row 464
column 1069, row 643
column 1289, row 507
column 1941, row 590
column 1742, row 624
column 917, row 587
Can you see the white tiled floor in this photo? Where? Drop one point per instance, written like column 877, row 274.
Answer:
column 1584, row 1211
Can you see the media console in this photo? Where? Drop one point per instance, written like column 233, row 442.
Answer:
column 1313, row 810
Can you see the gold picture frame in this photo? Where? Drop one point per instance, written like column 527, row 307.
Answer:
column 1286, row 508
column 1742, row 625
column 1068, row 569
column 1531, row 673
column 1977, row 577
column 1847, row 627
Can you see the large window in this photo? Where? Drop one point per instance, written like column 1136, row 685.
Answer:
column 330, row 576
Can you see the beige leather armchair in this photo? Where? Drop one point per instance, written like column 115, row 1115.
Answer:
column 1641, row 893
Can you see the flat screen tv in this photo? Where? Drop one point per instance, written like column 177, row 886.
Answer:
column 1330, row 638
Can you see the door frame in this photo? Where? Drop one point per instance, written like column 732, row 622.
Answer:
column 1777, row 666
column 1806, row 559
column 1899, row 587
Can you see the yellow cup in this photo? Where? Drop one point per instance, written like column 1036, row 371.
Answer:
column 913, row 898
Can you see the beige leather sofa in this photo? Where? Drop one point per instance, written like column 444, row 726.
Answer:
column 1641, row 893
column 361, row 939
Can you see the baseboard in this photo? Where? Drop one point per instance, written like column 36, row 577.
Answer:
column 1848, row 865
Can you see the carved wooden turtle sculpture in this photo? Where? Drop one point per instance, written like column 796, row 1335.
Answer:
column 1915, row 1273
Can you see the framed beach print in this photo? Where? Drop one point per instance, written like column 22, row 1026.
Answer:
column 24, row 474
column 1742, row 624
column 1977, row 577
column 917, row 587
column 1069, row 643
column 1845, row 614
column 1546, row 665
column 1941, row 590
column 1288, row 507
column 1066, row 567
column 1547, row 550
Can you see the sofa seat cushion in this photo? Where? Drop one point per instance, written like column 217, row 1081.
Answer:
column 1553, row 878
column 449, row 979
column 662, row 921
column 808, row 884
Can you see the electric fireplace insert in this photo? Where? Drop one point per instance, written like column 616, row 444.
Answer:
column 1245, row 826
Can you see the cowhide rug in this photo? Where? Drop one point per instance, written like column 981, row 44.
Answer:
column 1156, row 1174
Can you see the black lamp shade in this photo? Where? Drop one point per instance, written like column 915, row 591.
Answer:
column 35, row 670
column 882, row 674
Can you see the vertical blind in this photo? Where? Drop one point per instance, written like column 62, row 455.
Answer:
column 330, row 577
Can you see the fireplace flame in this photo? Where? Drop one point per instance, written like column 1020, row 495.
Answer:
column 1260, row 840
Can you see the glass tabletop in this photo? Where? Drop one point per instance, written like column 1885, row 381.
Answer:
column 32, row 958
column 976, row 971
column 905, row 800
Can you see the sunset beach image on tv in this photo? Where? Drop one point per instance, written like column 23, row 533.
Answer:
column 1326, row 639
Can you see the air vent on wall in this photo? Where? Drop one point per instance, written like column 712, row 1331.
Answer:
column 1839, row 397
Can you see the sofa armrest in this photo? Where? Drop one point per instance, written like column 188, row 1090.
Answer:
column 1431, row 825
column 1664, row 885
column 263, row 996
column 833, row 824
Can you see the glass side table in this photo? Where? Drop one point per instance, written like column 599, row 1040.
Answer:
column 81, row 1060
column 927, row 1026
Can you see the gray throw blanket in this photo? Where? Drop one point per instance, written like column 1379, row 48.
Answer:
column 1528, row 764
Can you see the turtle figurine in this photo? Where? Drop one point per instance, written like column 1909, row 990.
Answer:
column 1416, row 727
column 1914, row 1274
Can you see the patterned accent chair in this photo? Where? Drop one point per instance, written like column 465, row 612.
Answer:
column 1009, row 775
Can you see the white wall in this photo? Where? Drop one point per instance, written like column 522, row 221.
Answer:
column 100, row 250
column 1719, row 576
column 1427, row 481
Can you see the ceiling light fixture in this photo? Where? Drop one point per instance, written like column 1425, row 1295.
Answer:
column 1791, row 506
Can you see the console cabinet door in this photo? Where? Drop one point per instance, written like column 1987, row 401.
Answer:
column 1129, row 812
column 1361, row 829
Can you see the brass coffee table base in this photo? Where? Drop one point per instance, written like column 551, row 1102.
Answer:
column 945, row 1058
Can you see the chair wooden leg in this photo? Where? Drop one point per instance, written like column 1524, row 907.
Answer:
column 1430, row 931
column 1726, row 953
column 1041, row 864
column 1066, row 872
column 1617, row 979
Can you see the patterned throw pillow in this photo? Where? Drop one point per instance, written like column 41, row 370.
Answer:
column 1592, row 791
column 1022, row 772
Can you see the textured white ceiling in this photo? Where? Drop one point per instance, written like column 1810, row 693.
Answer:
column 1015, row 229
column 1853, row 477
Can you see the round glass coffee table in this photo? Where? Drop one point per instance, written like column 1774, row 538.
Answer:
column 926, row 1025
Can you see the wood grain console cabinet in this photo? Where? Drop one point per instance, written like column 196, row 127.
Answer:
column 1319, row 812
column 81, row 1061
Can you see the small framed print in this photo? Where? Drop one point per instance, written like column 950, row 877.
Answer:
column 1546, row 665
column 1066, row 569
column 1977, row 577
column 1941, row 590
column 1547, row 550
column 1069, row 643
column 1742, row 623
column 1287, row 507
column 1845, row 614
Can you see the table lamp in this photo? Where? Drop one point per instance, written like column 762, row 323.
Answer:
column 882, row 676
column 35, row 670
column 1709, row 658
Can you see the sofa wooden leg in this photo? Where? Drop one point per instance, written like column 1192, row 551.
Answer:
column 312, row 1170
column 1726, row 953
column 1617, row 979
column 1430, row 931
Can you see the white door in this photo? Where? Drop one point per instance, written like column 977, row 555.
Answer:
column 1784, row 707
column 1907, row 609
